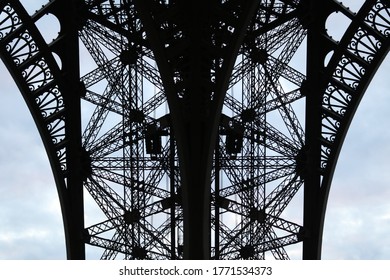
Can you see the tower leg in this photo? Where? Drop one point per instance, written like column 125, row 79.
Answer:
column 312, row 204
column 69, row 54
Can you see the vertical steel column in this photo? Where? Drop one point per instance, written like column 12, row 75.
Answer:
column 198, row 144
column 195, row 44
column 68, row 51
column 199, row 127
column 313, row 214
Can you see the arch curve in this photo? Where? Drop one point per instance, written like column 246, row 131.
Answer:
column 263, row 154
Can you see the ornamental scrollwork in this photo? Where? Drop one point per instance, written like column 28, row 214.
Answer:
column 61, row 155
column 356, row 61
column 37, row 74
column 25, row 54
column 378, row 18
column 50, row 102
column 364, row 45
column 349, row 72
column 9, row 20
column 325, row 154
column 22, row 48
column 330, row 127
column 336, row 99
column 56, row 129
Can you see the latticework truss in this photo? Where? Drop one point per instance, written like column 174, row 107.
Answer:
column 188, row 123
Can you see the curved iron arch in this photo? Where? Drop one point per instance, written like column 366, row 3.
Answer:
column 343, row 81
column 53, row 96
column 45, row 89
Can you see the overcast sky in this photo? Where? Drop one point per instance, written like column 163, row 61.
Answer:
column 358, row 216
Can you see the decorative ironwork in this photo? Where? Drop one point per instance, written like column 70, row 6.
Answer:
column 356, row 53
column 193, row 138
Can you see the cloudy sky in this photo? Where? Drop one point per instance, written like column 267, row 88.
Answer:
column 358, row 216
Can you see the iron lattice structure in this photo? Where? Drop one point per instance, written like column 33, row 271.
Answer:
column 188, row 123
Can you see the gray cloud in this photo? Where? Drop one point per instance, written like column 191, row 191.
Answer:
column 358, row 215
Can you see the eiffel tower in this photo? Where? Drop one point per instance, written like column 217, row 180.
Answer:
column 193, row 126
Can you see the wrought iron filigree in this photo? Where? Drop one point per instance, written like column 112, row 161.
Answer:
column 9, row 20
column 351, row 65
column 141, row 78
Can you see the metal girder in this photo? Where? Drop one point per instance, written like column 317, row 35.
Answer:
column 193, row 141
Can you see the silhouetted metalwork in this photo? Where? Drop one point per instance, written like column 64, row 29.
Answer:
column 188, row 123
